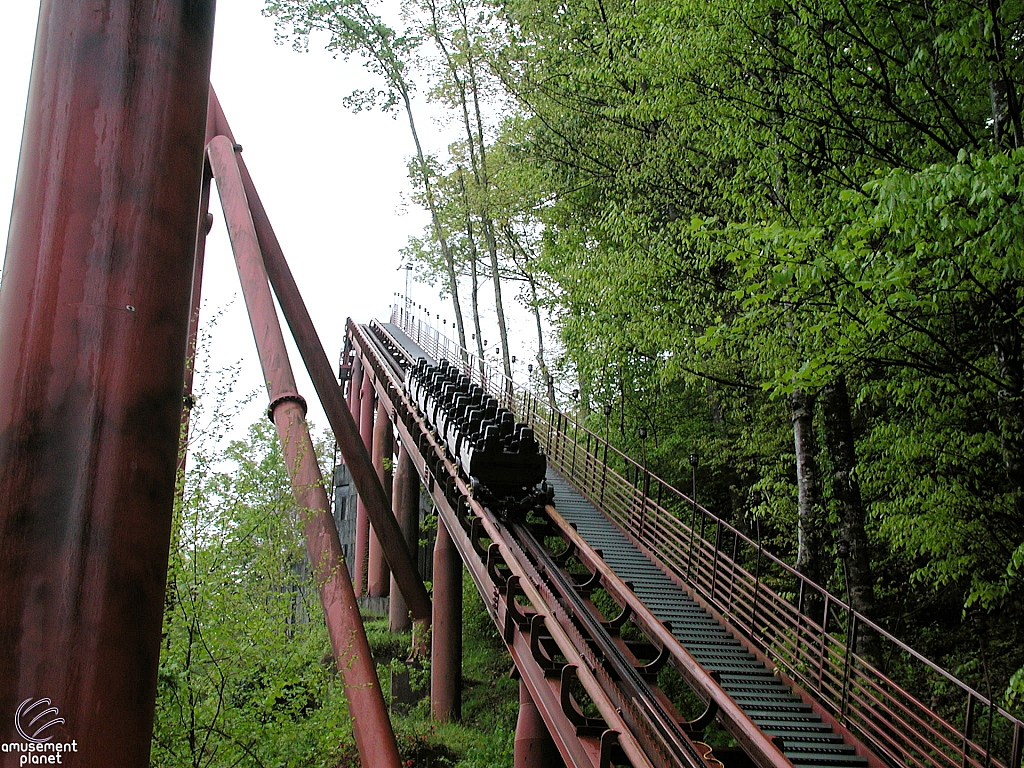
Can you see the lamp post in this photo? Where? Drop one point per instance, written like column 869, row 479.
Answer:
column 408, row 270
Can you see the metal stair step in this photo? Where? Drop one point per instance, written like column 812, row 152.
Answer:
column 715, row 641
column 722, row 666
column 747, row 676
column 722, row 654
column 773, row 718
column 808, row 742
column 759, row 684
column 795, row 739
column 820, row 749
column 781, row 707
column 772, row 697
column 849, row 761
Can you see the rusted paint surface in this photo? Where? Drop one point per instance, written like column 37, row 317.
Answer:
column 375, row 738
column 406, row 500
column 534, row 747
column 446, row 639
column 93, row 327
column 366, row 410
column 378, row 577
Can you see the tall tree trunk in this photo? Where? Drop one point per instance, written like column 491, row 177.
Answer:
column 542, row 364
column 810, row 552
column 473, row 273
column 435, row 218
column 1010, row 395
column 1006, row 130
column 852, row 539
column 515, row 245
column 729, row 473
column 1006, row 134
column 1006, row 117
column 487, row 223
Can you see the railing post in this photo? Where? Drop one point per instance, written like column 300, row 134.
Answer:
column 732, row 578
column 643, row 503
column 693, row 534
column 714, row 566
column 848, row 660
column 824, row 635
column 968, row 727
column 757, row 589
column 575, row 431
column 604, row 470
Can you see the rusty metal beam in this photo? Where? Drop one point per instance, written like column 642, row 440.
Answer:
column 375, row 738
column 355, row 384
column 93, row 329
column 406, row 501
column 205, row 221
column 366, row 408
column 357, row 459
column 446, row 638
column 378, row 577
column 534, row 747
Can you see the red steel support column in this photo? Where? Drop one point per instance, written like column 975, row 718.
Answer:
column 406, row 498
column 374, row 737
column 446, row 635
column 355, row 386
column 378, row 577
column 93, row 329
column 366, row 408
column 534, row 747
column 205, row 222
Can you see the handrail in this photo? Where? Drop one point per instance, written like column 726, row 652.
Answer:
column 813, row 638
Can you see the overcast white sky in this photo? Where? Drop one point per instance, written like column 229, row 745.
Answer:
column 334, row 183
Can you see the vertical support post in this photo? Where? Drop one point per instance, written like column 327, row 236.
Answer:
column 406, row 499
column 446, row 641
column 968, row 727
column 378, row 577
column 374, row 736
column 93, row 330
column 205, row 224
column 534, row 747
column 366, row 409
column 355, row 386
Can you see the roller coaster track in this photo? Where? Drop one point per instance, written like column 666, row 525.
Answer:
column 619, row 548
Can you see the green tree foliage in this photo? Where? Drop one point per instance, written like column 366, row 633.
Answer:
column 246, row 674
column 755, row 206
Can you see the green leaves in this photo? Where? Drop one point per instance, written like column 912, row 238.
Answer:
column 242, row 678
